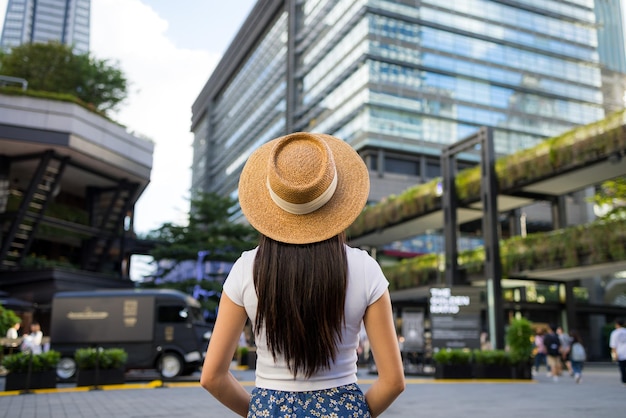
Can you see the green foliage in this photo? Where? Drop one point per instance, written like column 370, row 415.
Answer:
column 453, row 356
column 20, row 362
column 53, row 67
column 107, row 358
column 495, row 357
column 519, row 339
column 611, row 197
column 8, row 318
column 209, row 229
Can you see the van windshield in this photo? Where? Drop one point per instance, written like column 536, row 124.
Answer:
column 196, row 315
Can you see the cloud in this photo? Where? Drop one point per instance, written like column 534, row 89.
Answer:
column 163, row 83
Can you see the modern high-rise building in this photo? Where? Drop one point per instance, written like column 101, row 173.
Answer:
column 64, row 21
column 612, row 52
column 398, row 80
column 611, row 48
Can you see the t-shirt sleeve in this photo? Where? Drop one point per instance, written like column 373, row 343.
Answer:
column 377, row 282
column 233, row 286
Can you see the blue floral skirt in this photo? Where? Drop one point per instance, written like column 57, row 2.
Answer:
column 340, row 402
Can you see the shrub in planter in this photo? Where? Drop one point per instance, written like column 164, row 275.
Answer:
column 492, row 364
column 453, row 364
column 31, row 371
column 242, row 356
column 98, row 366
column 104, row 358
column 519, row 339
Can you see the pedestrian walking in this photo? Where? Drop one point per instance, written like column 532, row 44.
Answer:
column 304, row 290
column 617, row 342
column 578, row 355
column 553, row 351
column 566, row 343
column 540, row 350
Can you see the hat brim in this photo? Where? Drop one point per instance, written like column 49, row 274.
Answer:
column 329, row 220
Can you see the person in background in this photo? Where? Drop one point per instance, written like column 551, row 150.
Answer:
column 12, row 332
column 566, row 343
column 485, row 343
column 617, row 343
column 577, row 355
column 304, row 290
column 553, row 351
column 32, row 341
column 540, row 354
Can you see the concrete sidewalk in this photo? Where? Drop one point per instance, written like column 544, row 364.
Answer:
column 599, row 395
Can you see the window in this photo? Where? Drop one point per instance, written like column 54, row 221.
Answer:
column 433, row 169
column 172, row 314
column 400, row 166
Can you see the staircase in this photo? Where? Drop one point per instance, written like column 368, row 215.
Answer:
column 109, row 208
column 16, row 243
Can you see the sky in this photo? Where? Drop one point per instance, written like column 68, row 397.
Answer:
column 167, row 51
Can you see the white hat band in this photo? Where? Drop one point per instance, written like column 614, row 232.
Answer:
column 308, row 207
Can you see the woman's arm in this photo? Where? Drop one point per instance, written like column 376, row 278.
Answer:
column 216, row 376
column 381, row 333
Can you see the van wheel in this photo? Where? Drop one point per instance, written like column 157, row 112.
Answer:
column 66, row 368
column 170, row 365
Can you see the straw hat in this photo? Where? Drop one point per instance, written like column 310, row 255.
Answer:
column 303, row 187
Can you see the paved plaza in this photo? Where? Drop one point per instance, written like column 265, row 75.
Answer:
column 599, row 395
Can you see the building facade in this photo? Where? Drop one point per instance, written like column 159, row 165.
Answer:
column 30, row 21
column 398, row 81
column 69, row 181
column 612, row 52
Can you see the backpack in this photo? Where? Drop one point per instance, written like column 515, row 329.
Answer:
column 552, row 343
column 578, row 352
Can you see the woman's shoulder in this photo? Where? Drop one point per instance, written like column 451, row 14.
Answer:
column 357, row 252
column 248, row 255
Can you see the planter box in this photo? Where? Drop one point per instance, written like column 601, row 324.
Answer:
column 453, row 371
column 493, row 371
column 38, row 380
column 92, row 377
column 252, row 359
column 522, row 371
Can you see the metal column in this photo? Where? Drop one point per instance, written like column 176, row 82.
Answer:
column 491, row 236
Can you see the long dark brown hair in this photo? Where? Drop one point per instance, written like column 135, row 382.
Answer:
column 301, row 291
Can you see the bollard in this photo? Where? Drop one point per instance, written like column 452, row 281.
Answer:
column 97, row 375
column 28, row 375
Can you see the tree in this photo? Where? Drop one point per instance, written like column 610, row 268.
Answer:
column 610, row 198
column 209, row 229
column 8, row 318
column 53, row 67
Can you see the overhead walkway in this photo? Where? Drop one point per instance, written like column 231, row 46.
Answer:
column 566, row 254
column 579, row 158
column 582, row 157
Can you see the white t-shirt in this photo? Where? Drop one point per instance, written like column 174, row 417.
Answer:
column 366, row 284
column 618, row 342
column 12, row 333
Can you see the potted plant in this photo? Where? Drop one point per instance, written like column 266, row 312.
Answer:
column 519, row 340
column 492, row 364
column 31, row 371
column 453, row 363
column 100, row 366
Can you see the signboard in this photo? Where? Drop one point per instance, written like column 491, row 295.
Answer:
column 413, row 330
column 455, row 317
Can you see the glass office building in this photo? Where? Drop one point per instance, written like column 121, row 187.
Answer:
column 398, row 80
column 612, row 52
column 30, row 21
